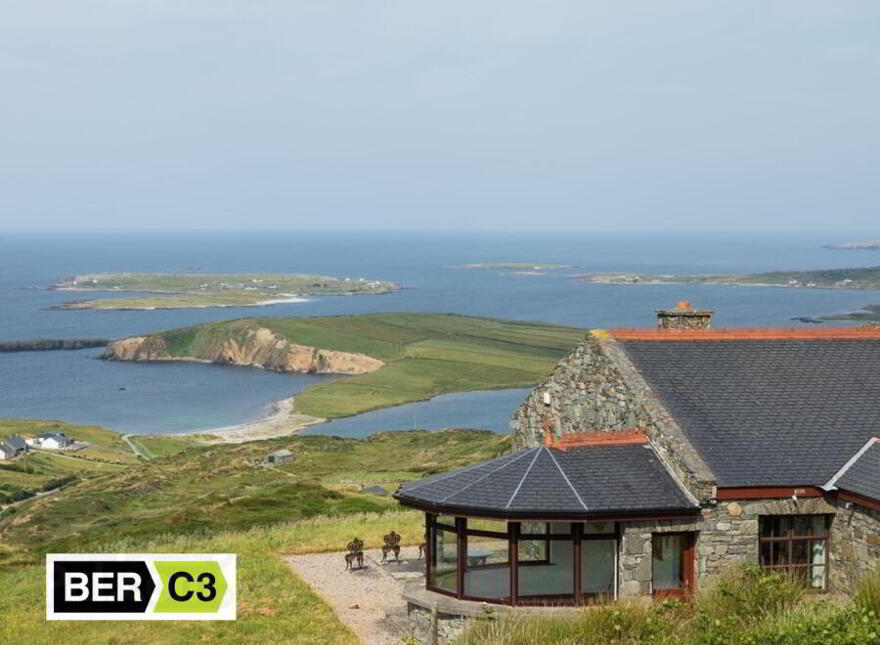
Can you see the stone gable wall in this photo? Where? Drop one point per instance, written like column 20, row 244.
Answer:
column 855, row 545
column 596, row 388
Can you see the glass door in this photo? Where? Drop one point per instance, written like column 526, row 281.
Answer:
column 673, row 564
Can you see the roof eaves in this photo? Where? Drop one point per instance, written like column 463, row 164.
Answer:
column 452, row 473
column 831, row 484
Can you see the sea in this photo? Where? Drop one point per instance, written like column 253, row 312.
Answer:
column 164, row 398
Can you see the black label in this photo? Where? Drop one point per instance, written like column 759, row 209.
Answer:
column 92, row 587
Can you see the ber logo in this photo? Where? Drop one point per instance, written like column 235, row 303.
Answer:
column 124, row 586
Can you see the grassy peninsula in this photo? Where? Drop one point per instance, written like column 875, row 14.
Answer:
column 392, row 358
column 188, row 290
column 854, row 278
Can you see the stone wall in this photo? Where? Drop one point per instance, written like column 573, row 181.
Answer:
column 431, row 627
column 596, row 388
column 855, row 545
column 728, row 536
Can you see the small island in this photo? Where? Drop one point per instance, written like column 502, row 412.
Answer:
column 870, row 245
column 517, row 268
column 195, row 290
column 855, row 278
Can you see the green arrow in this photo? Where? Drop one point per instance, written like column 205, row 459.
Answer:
column 195, row 586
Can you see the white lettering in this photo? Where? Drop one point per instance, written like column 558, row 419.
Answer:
column 133, row 586
column 75, row 581
column 98, row 586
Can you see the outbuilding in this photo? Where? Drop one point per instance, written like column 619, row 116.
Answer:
column 282, row 456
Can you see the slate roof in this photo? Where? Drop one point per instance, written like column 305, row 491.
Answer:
column 767, row 412
column 9, row 451
column 580, row 482
column 15, row 442
column 863, row 475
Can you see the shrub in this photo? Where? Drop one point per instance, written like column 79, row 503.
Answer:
column 868, row 592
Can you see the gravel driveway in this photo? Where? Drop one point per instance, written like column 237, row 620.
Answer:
column 367, row 600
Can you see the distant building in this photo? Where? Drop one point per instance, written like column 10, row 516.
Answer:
column 282, row 456
column 375, row 490
column 12, row 447
column 52, row 441
column 16, row 443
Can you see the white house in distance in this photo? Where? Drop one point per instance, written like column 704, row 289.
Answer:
column 12, row 447
column 50, row 441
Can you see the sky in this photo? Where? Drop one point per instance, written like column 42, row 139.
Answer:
column 447, row 115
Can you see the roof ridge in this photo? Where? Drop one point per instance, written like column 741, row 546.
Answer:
column 526, row 474
column 427, row 481
column 746, row 333
column 831, row 483
column 565, row 477
column 491, row 472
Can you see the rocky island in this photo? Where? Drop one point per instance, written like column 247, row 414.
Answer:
column 196, row 290
column 854, row 278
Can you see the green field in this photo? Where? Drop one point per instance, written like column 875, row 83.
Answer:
column 221, row 487
column 425, row 354
column 215, row 499
column 177, row 291
column 274, row 606
column 38, row 471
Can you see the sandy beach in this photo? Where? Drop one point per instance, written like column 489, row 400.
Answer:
column 281, row 422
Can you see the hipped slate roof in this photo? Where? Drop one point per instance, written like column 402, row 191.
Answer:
column 775, row 412
column 863, row 475
column 587, row 481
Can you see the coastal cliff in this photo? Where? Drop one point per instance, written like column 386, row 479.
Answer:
column 256, row 347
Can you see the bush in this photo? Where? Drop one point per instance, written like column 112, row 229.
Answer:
column 868, row 593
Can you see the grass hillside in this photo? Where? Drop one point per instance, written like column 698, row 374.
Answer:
column 425, row 354
column 205, row 489
column 43, row 470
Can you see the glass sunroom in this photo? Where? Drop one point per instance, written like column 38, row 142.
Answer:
column 541, row 526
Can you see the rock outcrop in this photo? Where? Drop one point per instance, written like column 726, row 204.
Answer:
column 256, row 347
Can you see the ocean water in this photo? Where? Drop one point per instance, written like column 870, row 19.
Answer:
column 171, row 397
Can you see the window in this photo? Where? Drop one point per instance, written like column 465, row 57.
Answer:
column 797, row 544
column 528, row 563
column 672, row 563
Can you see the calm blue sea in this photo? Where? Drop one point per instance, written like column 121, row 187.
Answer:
column 76, row 387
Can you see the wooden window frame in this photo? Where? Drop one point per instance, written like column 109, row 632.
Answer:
column 688, row 566
column 575, row 536
column 790, row 539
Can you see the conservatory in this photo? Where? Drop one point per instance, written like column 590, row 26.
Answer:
column 543, row 526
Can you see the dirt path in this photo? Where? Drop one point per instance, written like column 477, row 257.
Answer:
column 368, row 600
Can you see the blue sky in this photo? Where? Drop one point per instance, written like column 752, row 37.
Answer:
column 507, row 115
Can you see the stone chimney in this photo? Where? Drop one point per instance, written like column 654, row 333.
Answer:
column 684, row 316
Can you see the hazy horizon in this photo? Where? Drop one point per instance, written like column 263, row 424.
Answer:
column 557, row 115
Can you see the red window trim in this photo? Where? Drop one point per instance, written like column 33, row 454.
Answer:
column 861, row 500
column 768, row 492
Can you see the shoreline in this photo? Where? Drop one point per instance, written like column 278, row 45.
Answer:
column 280, row 422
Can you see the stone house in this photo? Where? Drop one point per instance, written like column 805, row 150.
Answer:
column 652, row 459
